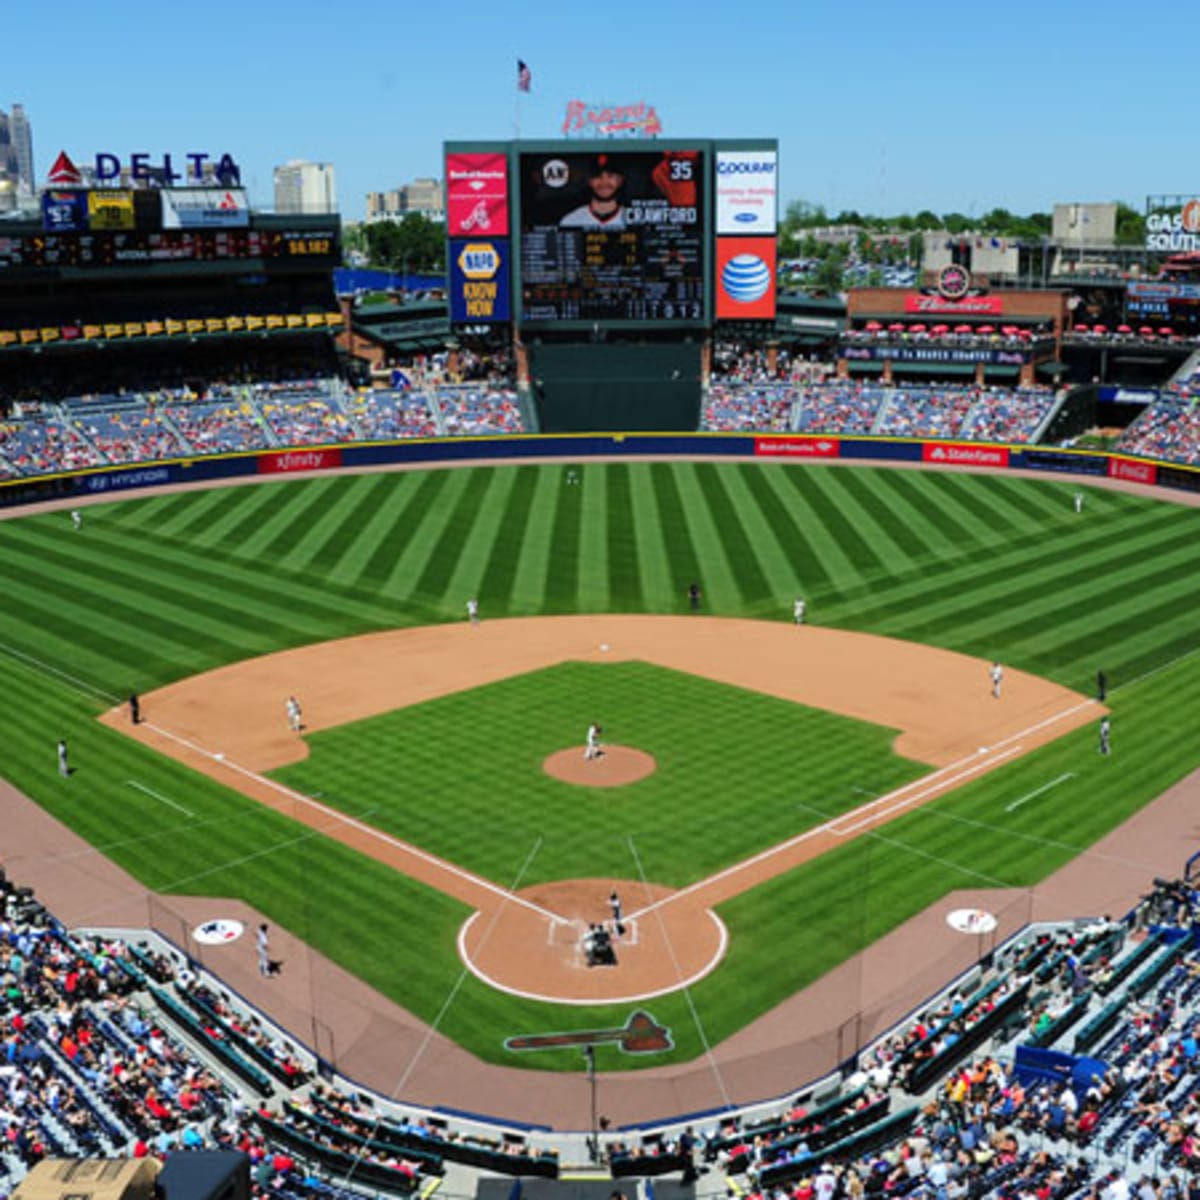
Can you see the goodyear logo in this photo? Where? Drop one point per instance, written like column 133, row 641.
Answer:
column 479, row 260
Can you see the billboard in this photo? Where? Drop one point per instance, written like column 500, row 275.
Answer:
column 746, row 191
column 205, row 208
column 746, row 279
column 1175, row 229
column 110, row 209
column 64, row 211
column 612, row 235
column 477, row 195
column 479, row 281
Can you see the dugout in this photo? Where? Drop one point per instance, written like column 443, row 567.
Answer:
column 596, row 387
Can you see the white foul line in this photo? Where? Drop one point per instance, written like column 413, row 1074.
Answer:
column 299, row 798
column 972, row 762
column 80, row 684
column 187, row 812
column 1044, row 788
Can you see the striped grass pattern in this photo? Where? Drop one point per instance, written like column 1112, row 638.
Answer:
column 155, row 589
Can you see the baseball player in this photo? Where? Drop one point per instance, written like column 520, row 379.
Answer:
column 473, row 611
column 1105, row 736
column 1079, row 502
column 997, row 678
column 64, row 768
column 76, row 518
column 593, row 742
column 293, row 714
column 798, row 610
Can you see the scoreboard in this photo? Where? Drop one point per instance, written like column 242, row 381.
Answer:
column 138, row 248
column 612, row 236
column 616, row 234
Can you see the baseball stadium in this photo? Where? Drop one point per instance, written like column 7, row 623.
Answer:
column 597, row 724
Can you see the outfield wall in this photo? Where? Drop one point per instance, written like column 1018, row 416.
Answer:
column 418, row 451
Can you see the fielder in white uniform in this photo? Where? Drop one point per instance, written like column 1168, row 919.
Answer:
column 798, row 611
column 293, row 714
column 473, row 611
column 997, row 679
column 593, row 742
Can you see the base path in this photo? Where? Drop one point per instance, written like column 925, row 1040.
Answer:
column 232, row 725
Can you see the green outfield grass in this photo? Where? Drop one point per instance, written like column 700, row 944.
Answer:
column 737, row 772
column 155, row 589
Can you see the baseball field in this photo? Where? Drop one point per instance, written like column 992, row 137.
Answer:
column 156, row 594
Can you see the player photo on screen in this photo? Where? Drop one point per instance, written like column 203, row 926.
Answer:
column 612, row 234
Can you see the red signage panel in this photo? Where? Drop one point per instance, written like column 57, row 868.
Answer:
column 945, row 454
column 1135, row 472
column 477, row 195
column 797, row 447
column 746, row 278
column 917, row 303
column 285, row 462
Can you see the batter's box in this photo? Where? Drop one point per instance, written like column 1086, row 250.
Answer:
column 563, row 932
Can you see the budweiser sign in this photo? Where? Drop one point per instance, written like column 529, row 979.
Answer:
column 628, row 120
column 942, row 454
column 921, row 302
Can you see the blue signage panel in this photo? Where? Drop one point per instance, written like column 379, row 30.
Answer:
column 479, row 287
column 64, row 211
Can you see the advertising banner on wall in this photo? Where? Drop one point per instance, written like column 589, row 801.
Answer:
column 936, row 354
column 477, row 195
column 746, row 191
column 64, row 211
column 746, row 279
column 479, row 290
column 110, row 210
column 205, row 208
column 930, row 302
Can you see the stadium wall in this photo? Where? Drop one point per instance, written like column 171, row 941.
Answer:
column 422, row 451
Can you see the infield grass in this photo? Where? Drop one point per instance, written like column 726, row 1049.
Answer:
column 154, row 589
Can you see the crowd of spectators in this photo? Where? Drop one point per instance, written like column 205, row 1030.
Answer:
column 99, row 1037
column 843, row 407
column 1168, row 429
column 384, row 414
column 474, row 411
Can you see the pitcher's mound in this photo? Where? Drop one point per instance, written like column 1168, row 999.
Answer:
column 616, row 767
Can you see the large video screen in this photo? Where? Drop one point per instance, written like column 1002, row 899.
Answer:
column 612, row 236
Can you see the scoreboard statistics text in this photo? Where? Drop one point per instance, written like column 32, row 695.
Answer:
column 612, row 236
column 172, row 245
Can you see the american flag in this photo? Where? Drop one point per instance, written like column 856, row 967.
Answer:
column 524, row 77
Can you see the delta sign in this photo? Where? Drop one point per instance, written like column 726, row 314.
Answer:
column 107, row 169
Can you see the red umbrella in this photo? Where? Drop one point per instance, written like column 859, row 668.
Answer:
column 1081, row 329
column 1099, row 328
column 916, row 329
column 873, row 327
column 896, row 327
column 1166, row 331
column 962, row 329
column 940, row 329
column 1024, row 335
column 1124, row 329
column 987, row 329
column 1008, row 330
column 1145, row 331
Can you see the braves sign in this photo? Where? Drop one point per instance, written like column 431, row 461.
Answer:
column 607, row 120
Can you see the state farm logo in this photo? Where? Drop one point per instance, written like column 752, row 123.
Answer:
column 555, row 173
column 967, row 456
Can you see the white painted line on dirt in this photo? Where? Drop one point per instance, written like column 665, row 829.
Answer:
column 706, row 969
column 876, row 818
column 31, row 661
column 1044, row 788
column 370, row 830
column 862, row 810
column 187, row 812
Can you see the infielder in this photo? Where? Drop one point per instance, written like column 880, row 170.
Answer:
column 473, row 611
column 293, row 714
column 997, row 679
column 798, row 610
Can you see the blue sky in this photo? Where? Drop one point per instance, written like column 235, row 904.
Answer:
column 877, row 106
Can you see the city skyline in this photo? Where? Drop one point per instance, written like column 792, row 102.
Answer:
column 935, row 106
